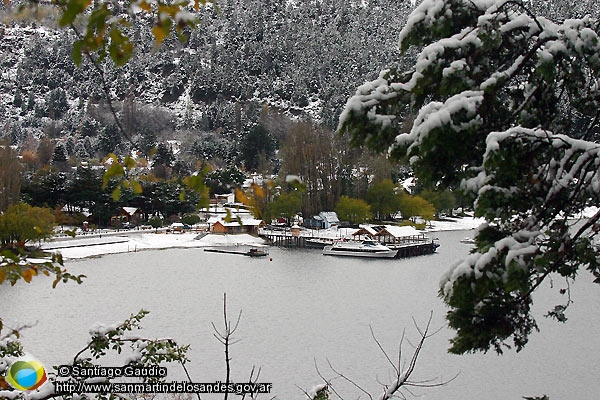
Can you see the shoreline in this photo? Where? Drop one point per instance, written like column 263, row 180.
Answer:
column 130, row 241
column 81, row 247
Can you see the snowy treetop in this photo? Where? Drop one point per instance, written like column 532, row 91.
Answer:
column 502, row 105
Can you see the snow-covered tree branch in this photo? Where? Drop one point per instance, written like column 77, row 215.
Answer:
column 505, row 108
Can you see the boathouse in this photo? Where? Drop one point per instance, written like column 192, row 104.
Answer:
column 399, row 235
column 368, row 231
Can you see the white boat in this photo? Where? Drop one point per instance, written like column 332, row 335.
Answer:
column 359, row 248
column 319, row 242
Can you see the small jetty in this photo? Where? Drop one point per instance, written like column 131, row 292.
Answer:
column 407, row 240
column 253, row 252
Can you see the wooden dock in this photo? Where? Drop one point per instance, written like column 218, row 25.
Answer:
column 285, row 240
column 416, row 249
column 409, row 249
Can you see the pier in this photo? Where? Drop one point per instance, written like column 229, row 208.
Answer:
column 416, row 249
column 283, row 240
column 412, row 247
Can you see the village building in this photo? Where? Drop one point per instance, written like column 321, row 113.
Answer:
column 390, row 234
column 325, row 220
column 399, row 235
column 127, row 215
column 233, row 225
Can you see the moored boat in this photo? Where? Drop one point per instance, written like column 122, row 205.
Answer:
column 319, row 242
column 468, row 240
column 359, row 248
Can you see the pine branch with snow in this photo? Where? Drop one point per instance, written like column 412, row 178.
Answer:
column 502, row 105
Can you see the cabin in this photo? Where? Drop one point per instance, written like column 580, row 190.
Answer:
column 325, row 220
column 314, row 222
column 330, row 219
column 235, row 225
column 127, row 214
column 221, row 199
column 177, row 227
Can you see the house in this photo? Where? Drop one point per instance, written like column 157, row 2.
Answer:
column 235, row 225
column 177, row 227
column 127, row 214
column 330, row 219
column 226, row 198
column 325, row 220
column 314, row 222
column 131, row 212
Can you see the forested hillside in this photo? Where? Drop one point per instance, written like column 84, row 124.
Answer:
column 256, row 81
column 247, row 60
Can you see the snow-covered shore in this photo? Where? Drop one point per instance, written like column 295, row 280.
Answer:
column 124, row 242
column 455, row 224
column 132, row 241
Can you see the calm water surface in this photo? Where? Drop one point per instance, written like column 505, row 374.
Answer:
column 303, row 309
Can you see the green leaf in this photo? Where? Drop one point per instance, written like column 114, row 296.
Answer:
column 120, row 48
column 72, row 10
column 136, row 186
column 116, row 193
column 129, row 162
column 76, row 54
column 115, row 170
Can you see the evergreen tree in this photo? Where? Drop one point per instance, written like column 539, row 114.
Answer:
column 255, row 143
column 504, row 110
column 162, row 161
column 57, row 103
column 59, row 155
column 108, row 140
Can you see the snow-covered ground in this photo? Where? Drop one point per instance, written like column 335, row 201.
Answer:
column 131, row 241
column 455, row 224
column 123, row 242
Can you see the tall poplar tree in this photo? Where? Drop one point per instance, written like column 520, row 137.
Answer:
column 10, row 177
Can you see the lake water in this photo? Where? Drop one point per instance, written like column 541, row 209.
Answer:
column 304, row 309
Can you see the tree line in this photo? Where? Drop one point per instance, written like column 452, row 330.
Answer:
column 514, row 86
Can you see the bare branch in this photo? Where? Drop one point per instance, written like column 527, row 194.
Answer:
column 188, row 376
column 344, row 377
column 326, row 381
column 383, row 351
column 106, row 89
column 402, row 369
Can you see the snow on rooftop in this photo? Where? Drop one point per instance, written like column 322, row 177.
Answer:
column 402, row 231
